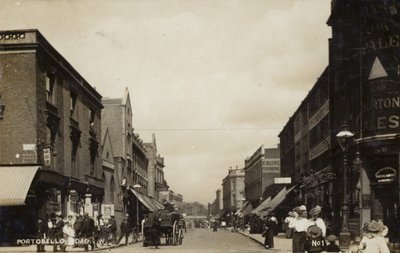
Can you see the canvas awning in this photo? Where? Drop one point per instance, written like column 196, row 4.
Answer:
column 150, row 203
column 242, row 208
column 15, row 182
column 247, row 209
column 278, row 199
column 261, row 206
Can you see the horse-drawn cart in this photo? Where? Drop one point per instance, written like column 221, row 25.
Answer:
column 172, row 227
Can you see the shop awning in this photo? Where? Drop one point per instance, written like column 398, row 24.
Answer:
column 277, row 200
column 15, row 182
column 261, row 206
column 242, row 208
column 247, row 209
column 150, row 203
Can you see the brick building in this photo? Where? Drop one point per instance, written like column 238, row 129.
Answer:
column 50, row 132
column 260, row 171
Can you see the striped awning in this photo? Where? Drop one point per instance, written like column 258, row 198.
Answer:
column 150, row 203
column 15, row 182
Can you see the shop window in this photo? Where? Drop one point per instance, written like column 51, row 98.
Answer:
column 92, row 116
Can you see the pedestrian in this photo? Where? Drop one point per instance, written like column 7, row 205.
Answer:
column 69, row 234
column 270, row 227
column 58, row 234
column 315, row 242
column 215, row 226
column 316, row 220
column 288, row 230
column 155, row 230
column 112, row 226
column 124, row 230
column 87, row 231
column 77, row 228
column 299, row 225
column 373, row 241
column 41, row 234
column 332, row 246
column 99, row 230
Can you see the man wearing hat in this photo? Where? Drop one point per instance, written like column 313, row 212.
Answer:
column 314, row 213
column 113, row 229
column 315, row 243
column 125, row 230
column 299, row 225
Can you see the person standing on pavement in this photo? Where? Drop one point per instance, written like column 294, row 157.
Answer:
column 299, row 225
column 155, row 230
column 124, row 230
column 87, row 230
column 58, row 233
column 315, row 220
column 112, row 225
column 270, row 226
column 41, row 233
column 288, row 230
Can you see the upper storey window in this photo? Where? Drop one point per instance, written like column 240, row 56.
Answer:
column 73, row 98
column 50, row 84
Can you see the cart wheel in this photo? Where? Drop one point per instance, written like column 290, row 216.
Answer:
column 175, row 234
column 180, row 236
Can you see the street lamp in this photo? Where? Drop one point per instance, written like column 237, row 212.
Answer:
column 344, row 235
column 124, row 186
column 136, row 186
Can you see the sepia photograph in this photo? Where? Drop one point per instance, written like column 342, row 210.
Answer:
column 215, row 126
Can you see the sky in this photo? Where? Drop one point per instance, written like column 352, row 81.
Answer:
column 212, row 79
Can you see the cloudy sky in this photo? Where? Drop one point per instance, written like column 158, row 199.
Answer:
column 213, row 80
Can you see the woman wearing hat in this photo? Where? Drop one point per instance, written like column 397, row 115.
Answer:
column 299, row 225
column 314, row 213
column 372, row 241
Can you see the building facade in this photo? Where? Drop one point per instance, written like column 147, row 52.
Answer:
column 140, row 163
column 233, row 195
column 260, row 171
column 155, row 170
column 50, row 130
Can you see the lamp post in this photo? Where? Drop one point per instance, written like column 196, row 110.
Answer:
column 137, row 187
column 344, row 235
column 124, row 186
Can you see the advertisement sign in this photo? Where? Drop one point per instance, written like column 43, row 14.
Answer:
column 107, row 210
column 386, row 175
column 271, row 165
column 380, row 68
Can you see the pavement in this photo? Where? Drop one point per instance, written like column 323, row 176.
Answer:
column 281, row 243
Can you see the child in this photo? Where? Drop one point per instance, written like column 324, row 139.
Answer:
column 315, row 242
column 332, row 247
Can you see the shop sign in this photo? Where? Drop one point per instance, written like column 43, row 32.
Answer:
column 283, row 180
column 385, row 175
column 271, row 165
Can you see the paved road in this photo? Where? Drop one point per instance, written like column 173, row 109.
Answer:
column 202, row 241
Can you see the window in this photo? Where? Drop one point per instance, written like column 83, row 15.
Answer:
column 92, row 115
column 50, row 81
column 73, row 98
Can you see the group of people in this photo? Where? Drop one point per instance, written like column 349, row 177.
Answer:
column 373, row 239
column 80, row 231
column 308, row 231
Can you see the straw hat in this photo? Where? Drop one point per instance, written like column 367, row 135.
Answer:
column 314, row 231
column 374, row 227
column 315, row 211
column 331, row 238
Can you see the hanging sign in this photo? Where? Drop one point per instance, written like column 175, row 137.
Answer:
column 385, row 175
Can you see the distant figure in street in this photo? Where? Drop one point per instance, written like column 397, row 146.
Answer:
column 77, row 227
column 299, row 225
column 155, row 230
column 125, row 230
column 270, row 226
column 215, row 226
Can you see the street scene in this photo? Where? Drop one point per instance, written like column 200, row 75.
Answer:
column 200, row 126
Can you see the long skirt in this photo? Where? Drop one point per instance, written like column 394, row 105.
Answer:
column 298, row 242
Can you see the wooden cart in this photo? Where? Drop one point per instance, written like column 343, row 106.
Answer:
column 172, row 228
